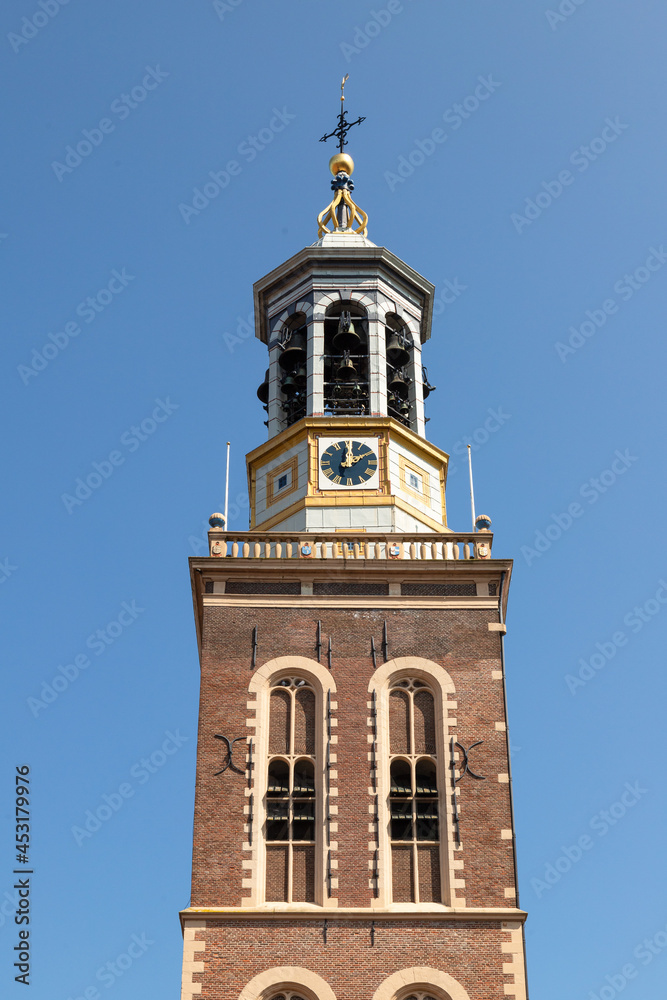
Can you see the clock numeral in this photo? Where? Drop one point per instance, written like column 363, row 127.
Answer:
column 349, row 482
column 324, row 462
column 337, row 479
column 328, row 473
column 336, row 445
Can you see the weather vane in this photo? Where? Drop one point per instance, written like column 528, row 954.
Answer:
column 343, row 126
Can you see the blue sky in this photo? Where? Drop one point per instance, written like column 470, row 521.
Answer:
column 541, row 201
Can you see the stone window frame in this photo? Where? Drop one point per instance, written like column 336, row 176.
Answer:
column 405, row 466
column 443, row 690
column 291, row 758
column 288, row 977
column 412, row 758
column 260, row 686
column 273, row 491
column 421, row 978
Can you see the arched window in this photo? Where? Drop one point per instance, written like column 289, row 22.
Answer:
column 413, row 794
column 346, row 379
column 291, row 793
column 398, row 349
column 293, row 367
column 287, row 995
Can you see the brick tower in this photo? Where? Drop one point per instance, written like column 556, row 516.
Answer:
column 353, row 829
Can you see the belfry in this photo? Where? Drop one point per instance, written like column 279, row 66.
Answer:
column 353, row 827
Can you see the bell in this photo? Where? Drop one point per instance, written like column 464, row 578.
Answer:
column 289, row 386
column 397, row 354
column 294, row 351
column 300, row 377
column 403, row 408
column 263, row 389
column 346, row 372
column 398, row 385
column 427, row 388
column 347, row 338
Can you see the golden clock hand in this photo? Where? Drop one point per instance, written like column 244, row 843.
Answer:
column 347, row 461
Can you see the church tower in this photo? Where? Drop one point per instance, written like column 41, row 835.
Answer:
column 353, row 828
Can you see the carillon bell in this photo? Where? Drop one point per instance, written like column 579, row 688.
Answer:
column 346, row 338
column 398, row 385
column 346, row 372
column 263, row 389
column 397, row 353
column 294, row 351
column 403, row 407
column 427, row 388
column 300, row 377
column 289, row 386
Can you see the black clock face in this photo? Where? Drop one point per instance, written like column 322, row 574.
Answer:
column 348, row 463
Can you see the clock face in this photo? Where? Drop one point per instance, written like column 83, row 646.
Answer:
column 348, row 464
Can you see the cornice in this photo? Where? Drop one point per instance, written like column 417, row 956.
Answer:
column 337, row 914
column 279, row 443
column 315, row 259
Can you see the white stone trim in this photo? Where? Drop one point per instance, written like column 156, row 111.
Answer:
column 514, row 966
column 322, row 682
column 288, row 977
column 442, row 686
column 190, row 963
column 421, row 975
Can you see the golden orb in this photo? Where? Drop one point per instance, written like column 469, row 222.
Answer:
column 341, row 161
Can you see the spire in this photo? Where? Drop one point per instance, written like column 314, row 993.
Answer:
column 342, row 211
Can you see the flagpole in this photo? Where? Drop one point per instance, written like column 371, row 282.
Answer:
column 227, row 489
column 472, row 494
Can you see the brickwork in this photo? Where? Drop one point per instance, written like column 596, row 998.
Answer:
column 482, row 956
column 458, row 639
column 475, row 954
